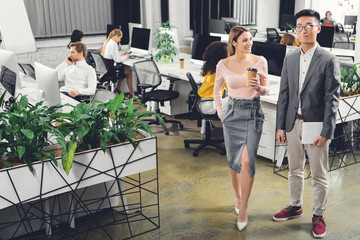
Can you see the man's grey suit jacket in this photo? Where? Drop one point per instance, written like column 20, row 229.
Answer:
column 319, row 95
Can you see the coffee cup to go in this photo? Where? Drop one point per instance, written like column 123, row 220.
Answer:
column 251, row 73
column 181, row 60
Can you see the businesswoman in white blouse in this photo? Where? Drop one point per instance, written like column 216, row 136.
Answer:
column 112, row 55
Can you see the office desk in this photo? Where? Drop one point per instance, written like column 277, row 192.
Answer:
column 178, row 105
column 339, row 52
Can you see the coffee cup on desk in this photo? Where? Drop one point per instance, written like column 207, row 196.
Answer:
column 181, row 63
column 251, row 73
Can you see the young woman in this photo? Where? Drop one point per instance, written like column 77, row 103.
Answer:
column 212, row 55
column 76, row 36
column 243, row 118
column 110, row 52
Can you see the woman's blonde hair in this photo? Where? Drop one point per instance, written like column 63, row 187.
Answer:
column 115, row 32
column 235, row 32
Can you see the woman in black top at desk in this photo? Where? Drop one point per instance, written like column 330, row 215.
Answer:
column 76, row 36
column 112, row 55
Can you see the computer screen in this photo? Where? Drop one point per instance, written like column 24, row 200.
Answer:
column 350, row 20
column 286, row 19
column 216, row 26
column 7, row 58
column 47, row 84
column 199, row 45
column 325, row 37
column 140, row 40
column 274, row 53
column 8, row 79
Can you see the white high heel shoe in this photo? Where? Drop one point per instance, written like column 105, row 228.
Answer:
column 241, row 225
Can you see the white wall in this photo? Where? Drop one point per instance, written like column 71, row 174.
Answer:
column 150, row 16
column 179, row 16
column 267, row 14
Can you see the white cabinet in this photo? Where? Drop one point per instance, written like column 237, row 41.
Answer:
column 267, row 142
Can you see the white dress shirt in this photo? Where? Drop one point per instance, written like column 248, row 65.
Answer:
column 77, row 76
column 305, row 59
column 112, row 52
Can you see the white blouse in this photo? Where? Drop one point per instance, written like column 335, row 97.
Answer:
column 112, row 52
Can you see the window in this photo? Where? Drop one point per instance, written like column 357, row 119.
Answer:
column 245, row 11
column 56, row 18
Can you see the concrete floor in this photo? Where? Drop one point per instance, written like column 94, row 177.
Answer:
column 197, row 200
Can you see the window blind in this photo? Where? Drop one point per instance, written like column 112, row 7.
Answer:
column 245, row 11
column 55, row 18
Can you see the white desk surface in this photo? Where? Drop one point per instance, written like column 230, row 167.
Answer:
column 341, row 52
column 173, row 69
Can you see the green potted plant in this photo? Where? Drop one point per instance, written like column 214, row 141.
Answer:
column 164, row 43
column 26, row 132
column 350, row 81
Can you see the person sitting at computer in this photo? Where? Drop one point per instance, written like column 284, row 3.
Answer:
column 212, row 55
column 289, row 39
column 328, row 20
column 76, row 36
column 79, row 77
column 110, row 52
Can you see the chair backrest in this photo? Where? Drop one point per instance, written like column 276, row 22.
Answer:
column 272, row 35
column 103, row 96
column 28, row 69
column 341, row 37
column 147, row 74
column 193, row 104
column 345, row 45
column 100, row 66
column 253, row 31
column 339, row 28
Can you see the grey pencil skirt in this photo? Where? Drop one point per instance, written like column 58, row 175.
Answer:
column 242, row 125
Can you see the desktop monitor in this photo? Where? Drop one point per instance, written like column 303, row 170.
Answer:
column 286, row 19
column 7, row 58
column 326, row 36
column 140, row 40
column 216, row 26
column 199, row 45
column 47, row 84
column 274, row 54
column 131, row 26
column 350, row 20
column 111, row 27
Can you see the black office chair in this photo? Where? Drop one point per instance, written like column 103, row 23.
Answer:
column 345, row 45
column 273, row 35
column 104, row 76
column 206, row 141
column 27, row 69
column 253, row 31
column 149, row 78
column 341, row 37
column 229, row 26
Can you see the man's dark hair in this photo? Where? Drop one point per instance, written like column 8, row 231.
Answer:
column 308, row 13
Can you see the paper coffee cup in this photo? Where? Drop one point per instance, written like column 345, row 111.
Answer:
column 251, row 73
column 181, row 63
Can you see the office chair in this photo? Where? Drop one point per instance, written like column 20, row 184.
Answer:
column 149, row 78
column 103, row 95
column 345, row 45
column 253, row 31
column 27, row 69
column 341, row 37
column 229, row 26
column 272, row 35
column 206, row 141
column 104, row 77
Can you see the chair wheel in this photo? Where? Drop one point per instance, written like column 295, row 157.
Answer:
column 223, row 152
column 195, row 153
column 187, row 145
column 181, row 126
column 166, row 132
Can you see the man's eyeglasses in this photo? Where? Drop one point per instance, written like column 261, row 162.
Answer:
column 306, row 27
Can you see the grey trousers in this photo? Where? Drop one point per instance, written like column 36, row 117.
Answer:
column 319, row 164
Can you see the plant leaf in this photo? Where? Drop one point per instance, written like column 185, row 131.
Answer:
column 28, row 133
column 21, row 151
column 67, row 156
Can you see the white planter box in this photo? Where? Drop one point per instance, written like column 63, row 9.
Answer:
column 89, row 168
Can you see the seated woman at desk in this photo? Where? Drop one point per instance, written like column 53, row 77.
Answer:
column 328, row 20
column 212, row 55
column 289, row 39
column 110, row 52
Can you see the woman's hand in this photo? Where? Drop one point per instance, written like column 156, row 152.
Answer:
column 255, row 83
